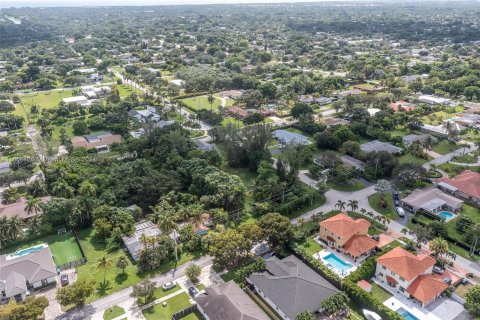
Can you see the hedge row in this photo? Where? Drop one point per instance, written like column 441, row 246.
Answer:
column 242, row 274
column 372, row 221
column 297, row 204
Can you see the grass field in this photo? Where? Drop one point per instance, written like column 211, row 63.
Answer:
column 408, row 158
column 380, row 293
column 201, row 102
column 235, row 122
column 445, row 146
column 438, row 118
column 310, row 245
column 115, row 279
column 45, row 100
column 354, row 185
column 125, row 90
column 64, row 247
column 174, row 304
column 160, row 293
column 389, row 211
column 113, row 312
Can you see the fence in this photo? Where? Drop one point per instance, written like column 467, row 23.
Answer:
column 72, row 264
column 184, row 312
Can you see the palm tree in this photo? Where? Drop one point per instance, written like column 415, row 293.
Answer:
column 4, row 229
column 15, row 225
column 404, row 231
column 167, row 225
column 35, row 224
column 122, row 263
column 33, row 205
column 439, row 247
column 62, row 189
column 353, row 204
column 104, row 264
column 341, row 205
column 87, row 189
column 211, row 100
column 363, row 211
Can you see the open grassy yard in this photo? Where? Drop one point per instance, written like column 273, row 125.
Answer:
column 159, row 293
column 233, row 121
column 380, row 293
column 310, row 245
column 64, row 247
column 201, row 102
column 353, row 185
column 113, row 313
column 437, row 118
column 45, row 100
column 193, row 316
column 408, row 158
column 115, row 279
column 125, row 90
column 445, row 146
column 389, row 211
column 174, row 304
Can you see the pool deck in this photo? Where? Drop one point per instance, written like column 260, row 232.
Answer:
column 325, row 252
column 440, row 309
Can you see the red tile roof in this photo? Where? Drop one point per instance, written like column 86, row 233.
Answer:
column 426, row 287
column 401, row 104
column 406, row 264
column 345, row 227
column 103, row 140
column 359, row 244
column 467, row 182
column 365, row 285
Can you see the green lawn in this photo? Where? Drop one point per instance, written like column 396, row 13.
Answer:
column 389, row 211
column 316, row 203
column 193, row 316
column 113, row 312
column 64, row 247
column 160, row 293
column 408, row 158
column 445, row 146
column 380, row 293
column 174, row 304
column 115, row 279
column 200, row 286
column 125, row 90
column 201, row 102
column 438, row 118
column 465, row 158
column 310, row 245
column 45, row 100
column 233, row 121
column 353, row 185
column 453, row 169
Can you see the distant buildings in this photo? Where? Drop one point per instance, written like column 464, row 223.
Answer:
column 19, row 209
column 409, row 139
column 432, row 100
column 321, row 101
column 464, row 186
column 81, row 100
column 402, row 105
column 4, row 167
column 145, row 115
column 100, row 141
column 285, row 138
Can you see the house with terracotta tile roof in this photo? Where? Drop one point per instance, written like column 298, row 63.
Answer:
column 401, row 105
column 464, row 186
column 411, row 275
column 348, row 235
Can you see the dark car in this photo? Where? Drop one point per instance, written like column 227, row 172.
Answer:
column 376, row 237
column 64, row 279
column 193, row 291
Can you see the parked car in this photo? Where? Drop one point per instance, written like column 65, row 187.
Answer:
column 400, row 211
column 447, row 280
column 437, row 270
column 193, row 291
column 168, row 285
column 376, row 237
column 64, row 279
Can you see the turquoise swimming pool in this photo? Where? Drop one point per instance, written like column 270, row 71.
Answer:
column 446, row 215
column 336, row 262
column 406, row 315
column 28, row 250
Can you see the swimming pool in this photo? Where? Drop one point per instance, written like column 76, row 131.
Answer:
column 446, row 215
column 21, row 253
column 406, row 315
column 336, row 262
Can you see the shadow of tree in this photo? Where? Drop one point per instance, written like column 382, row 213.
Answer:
column 103, row 287
column 121, row 277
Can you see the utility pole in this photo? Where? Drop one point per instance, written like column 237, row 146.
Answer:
column 473, row 247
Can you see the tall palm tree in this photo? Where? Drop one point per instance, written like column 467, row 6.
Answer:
column 88, row 189
column 363, row 211
column 104, row 264
column 35, row 224
column 4, row 230
column 15, row 225
column 211, row 100
column 167, row 225
column 439, row 246
column 33, row 205
column 353, row 204
column 62, row 189
column 341, row 205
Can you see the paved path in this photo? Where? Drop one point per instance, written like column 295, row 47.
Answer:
column 88, row 311
column 448, row 157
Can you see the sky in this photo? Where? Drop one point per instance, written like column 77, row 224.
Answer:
column 77, row 3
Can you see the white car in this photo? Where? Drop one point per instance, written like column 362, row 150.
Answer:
column 168, row 285
column 400, row 212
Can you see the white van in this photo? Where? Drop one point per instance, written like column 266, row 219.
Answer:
column 400, row 212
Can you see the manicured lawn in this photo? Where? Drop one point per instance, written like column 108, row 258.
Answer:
column 64, row 247
column 115, row 279
column 244, row 174
column 380, row 293
column 45, row 100
column 465, row 158
column 353, row 185
column 316, row 203
column 389, row 211
column 113, row 312
column 462, row 290
column 201, row 102
column 438, row 118
column 160, row 293
column 310, row 245
column 125, row 90
column 193, row 316
column 175, row 304
column 399, row 132
column 453, row 169
column 233, row 121
column 200, row 286
column 408, row 158
column 445, row 146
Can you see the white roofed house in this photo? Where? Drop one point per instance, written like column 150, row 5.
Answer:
column 82, row 100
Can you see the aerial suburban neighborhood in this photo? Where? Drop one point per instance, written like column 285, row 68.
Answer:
column 251, row 161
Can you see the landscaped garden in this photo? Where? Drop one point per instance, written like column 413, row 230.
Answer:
column 350, row 186
column 388, row 210
column 310, row 245
column 445, row 146
column 173, row 305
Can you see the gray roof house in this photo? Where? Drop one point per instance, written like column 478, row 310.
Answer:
column 24, row 270
column 411, row 138
column 286, row 137
column 290, row 286
column 228, row 301
column 133, row 243
column 376, row 145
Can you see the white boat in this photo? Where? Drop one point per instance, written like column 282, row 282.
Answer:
column 370, row 315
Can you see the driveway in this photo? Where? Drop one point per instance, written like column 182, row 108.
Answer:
column 448, row 157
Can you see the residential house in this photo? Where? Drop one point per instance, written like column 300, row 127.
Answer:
column 228, row 301
column 204, row 146
column 431, row 200
column 432, row 100
column 376, row 145
column 233, row 94
column 178, row 82
column 402, row 105
column 287, row 138
column 81, row 100
column 19, row 209
column 332, row 121
column 100, row 141
column 133, row 243
column 440, row 130
column 354, row 163
column 22, row 272
column 411, row 275
column 344, row 94
column 464, row 186
column 4, row 167
column 145, row 115
column 368, row 88
column 408, row 140
column 348, row 235
column 289, row 286
column 321, row 101
column 237, row 112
